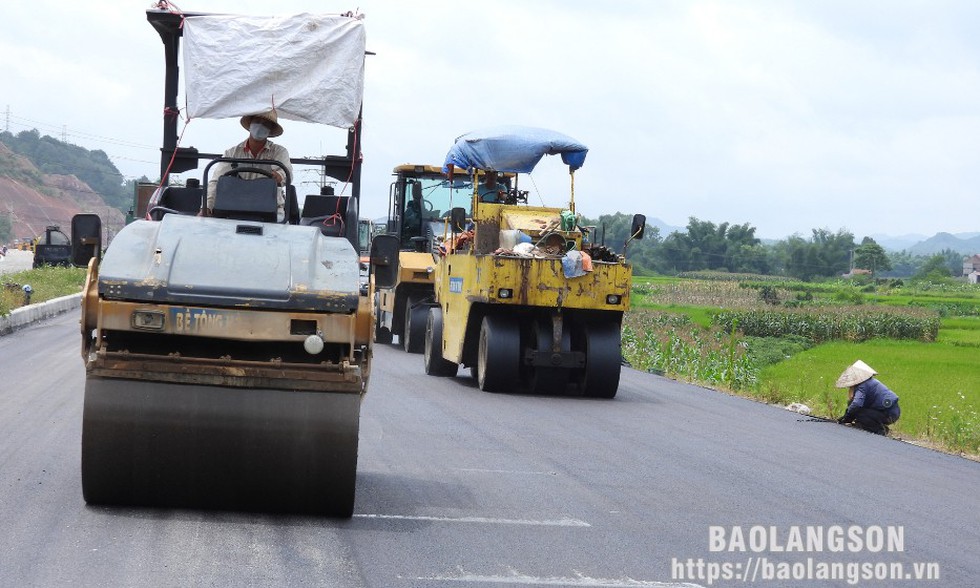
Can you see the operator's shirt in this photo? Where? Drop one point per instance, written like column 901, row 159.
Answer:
column 269, row 151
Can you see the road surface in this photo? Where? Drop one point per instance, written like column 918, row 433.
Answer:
column 460, row 488
column 16, row 261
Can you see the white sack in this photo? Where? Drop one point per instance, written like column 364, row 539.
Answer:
column 310, row 67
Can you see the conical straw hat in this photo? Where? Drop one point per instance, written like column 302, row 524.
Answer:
column 855, row 374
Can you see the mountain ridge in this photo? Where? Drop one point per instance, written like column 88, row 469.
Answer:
column 34, row 200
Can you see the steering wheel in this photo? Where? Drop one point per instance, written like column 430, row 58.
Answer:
column 249, row 170
column 426, row 205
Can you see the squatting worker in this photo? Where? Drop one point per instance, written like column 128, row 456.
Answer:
column 871, row 405
column 257, row 146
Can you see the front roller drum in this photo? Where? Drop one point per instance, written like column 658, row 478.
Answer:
column 191, row 446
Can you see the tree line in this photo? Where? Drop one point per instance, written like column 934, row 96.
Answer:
column 734, row 248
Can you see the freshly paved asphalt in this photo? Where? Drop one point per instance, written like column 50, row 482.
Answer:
column 457, row 487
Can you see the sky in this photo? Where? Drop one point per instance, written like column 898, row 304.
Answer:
column 788, row 115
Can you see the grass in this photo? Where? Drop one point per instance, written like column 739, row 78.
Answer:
column 46, row 284
column 937, row 381
column 963, row 331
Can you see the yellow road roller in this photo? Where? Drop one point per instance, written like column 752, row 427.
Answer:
column 525, row 296
column 227, row 347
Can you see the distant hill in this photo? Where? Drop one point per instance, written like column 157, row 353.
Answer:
column 32, row 200
column 665, row 229
column 899, row 243
column 943, row 241
column 964, row 243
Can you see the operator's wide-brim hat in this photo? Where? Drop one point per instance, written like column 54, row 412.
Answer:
column 268, row 116
column 856, row 373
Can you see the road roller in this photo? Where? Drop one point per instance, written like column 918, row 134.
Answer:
column 525, row 296
column 227, row 348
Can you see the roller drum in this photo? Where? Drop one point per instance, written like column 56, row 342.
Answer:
column 194, row 446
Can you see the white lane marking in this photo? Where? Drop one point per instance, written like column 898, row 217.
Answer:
column 579, row 580
column 523, row 472
column 566, row 522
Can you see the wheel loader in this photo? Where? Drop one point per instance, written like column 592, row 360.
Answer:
column 226, row 356
column 525, row 296
column 420, row 198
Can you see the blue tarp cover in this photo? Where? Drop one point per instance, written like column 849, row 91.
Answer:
column 513, row 149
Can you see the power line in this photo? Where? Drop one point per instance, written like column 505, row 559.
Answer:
column 64, row 130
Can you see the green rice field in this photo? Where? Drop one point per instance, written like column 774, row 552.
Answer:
column 934, row 369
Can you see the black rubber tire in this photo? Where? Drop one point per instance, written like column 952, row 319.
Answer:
column 413, row 334
column 603, row 360
column 435, row 364
column 382, row 334
column 499, row 354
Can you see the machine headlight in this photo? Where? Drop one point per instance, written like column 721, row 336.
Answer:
column 505, row 293
column 613, row 299
column 147, row 320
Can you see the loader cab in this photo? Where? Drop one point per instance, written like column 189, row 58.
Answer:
column 420, row 199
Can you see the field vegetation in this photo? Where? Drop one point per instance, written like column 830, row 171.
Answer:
column 784, row 341
column 46, row 283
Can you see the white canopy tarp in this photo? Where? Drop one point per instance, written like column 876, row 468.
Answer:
column 309, row 67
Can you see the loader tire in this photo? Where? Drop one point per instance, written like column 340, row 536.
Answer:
column 413, row 334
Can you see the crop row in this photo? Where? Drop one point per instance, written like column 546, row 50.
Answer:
column 671, row 345
column 844, row 323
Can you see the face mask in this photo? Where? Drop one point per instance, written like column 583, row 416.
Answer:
column 259, row 131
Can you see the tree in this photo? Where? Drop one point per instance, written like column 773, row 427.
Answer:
column 612, row 230
column 903, row 264
column 705, row 245
column 954, row 261
column 935, row 268
column 825, row 254
column 871, row 256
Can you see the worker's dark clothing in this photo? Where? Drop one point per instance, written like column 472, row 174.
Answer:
column 873, row 407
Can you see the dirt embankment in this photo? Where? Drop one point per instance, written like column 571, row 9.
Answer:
column 34, row 200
